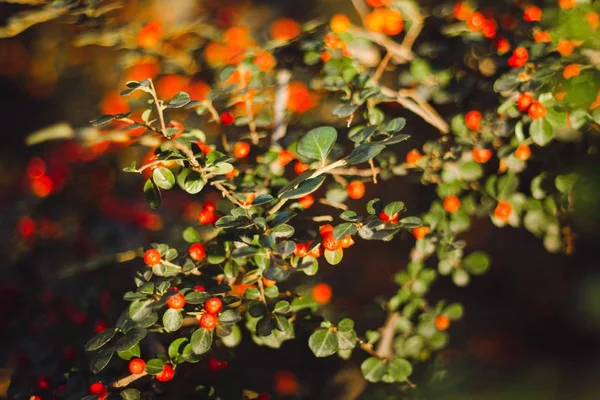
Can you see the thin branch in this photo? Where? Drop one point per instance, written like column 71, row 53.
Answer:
column 373, row 172
column 322, row 218
column 226, row 193
column 382, row 65
column 361, row 8
column 354, row 171
column 408, row 101
column 388, row 331
column 281, row 99
column 123, row 382
column 159, row 110
column 340, row 206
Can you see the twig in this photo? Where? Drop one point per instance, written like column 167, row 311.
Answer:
column 353, row 171
column 261, row 287
column 159, row 110
column 400, row 54
column 373, row 172
column 322, row 218
column 281, row 99
column 427, row 113
column 340, row 206
column 226, row 193
column 361, row 8
column 128, row 379
column 388, row 331
column 381, row 67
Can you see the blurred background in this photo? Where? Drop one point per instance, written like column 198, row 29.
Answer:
column 69, row 217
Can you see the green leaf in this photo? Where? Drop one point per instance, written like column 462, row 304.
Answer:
column 306, row 187
column 101, row 359
column 346, row 339
column 191, row 181
column 191, row 235
column 340, row 231
column 477, row 263
column 395, row 125
column 373, row 369
column 132, row 338
column 411, row 222
column 344, row 110
column 399, row 369
column 323, row 343
column 201, row 341
column 541, row 132
column 334, row 257
column 507, row 185
column 181, row 99
column 470, row 170
column 152, row 194
column 130, row 353
column 174, row 347
column 131, row 394
column 139, row 309
column 317, row 143
column 282, row 307
column 100, row 339
column 375, row 115
column 565, row 183
column 155, row 366
column 230, row 316
column 507, row 82
column 396, row 139
column 454, row 311
column 172, row 320
column 349, row 215
column 163, row 178
column 102, row 120
column 365, row 152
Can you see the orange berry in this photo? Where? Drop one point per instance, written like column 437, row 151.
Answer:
column 442, row 323
column 386, row 218
column 248, row 199
column 285, row 29
column 152, row 257
column 176, row 302
column 540, row 36
column 315, row 252
column 523, row 152
column 502, row 46
column 532, row 13
column 143, row 69
column 475, row 21
column 334, row 42
column 209, row 321
column 322, row 293
column 565, row 47
column 524, row 101
column 461, row 11
column 325, row 56
column 241, row 150
column 393, row 22
column 503, row 211
column 451, row 204
column 306, row 201
column 375, row 20
column 300, row 250
column 413, row 157
column 571, row 71
column 566, row 4
column 197, row 251
column 168, row 86
column 206, row 217
column 481, row 155
column 268, row 282
column 265, row 61
column 377, row 3
column 113, row 103
column 237, row 36
column 198, row 90
column 346, row 242
column 473, row 120
column 150, row 34
column 299, row 98
column 166, row 374
column 488, row 29
column 420, row 232
column 537, row 110
column 231, row 174
column 339, row 23
column 137, row 366
column 300, row 167
column 356, row 190
column 330, row 242
column 285, row 157
column 214, row 305
column 325, row 229
column 592, row 19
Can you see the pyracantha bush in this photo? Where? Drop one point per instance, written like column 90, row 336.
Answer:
column 287, row 135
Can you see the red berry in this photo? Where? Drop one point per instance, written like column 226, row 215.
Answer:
column 214, row 305
column 523, row 152
column 43, row 382
column 325, row 229
column 166, row 374
column 356, row 190
column 300, row 250
column 208, row 321
column 210, row 206
column 176, row 302
column 137, row 366
column 98, row 389
column 442, row 323
column 473, row 120
column 216, row 365
column 532, row 13
column 420, row 232
column 300, row 167
column 413, row 157
column 306, row 201
column 346, row 242
column 451, row 204
column 330, row 242
column 241, row 149
column 285, row 157
column 197, row 251
column 386, row 218
column 503, row 211
column 152, row 257
column 537, row 110
column 524, row 101
column 199, row 288
column 205, row 217
column 227, row 118
column 315, row 252
column 481, row 155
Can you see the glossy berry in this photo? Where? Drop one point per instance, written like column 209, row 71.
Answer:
column 214, row 305
column 537, row 110
column 330, row 242
column 532, row 14
column 523, row 152
column 208, row 321
column 300, row 250
column 503, row 211
column 227, row 118
column 473, row 120
column 502, row 46
column 206, row 217
column 98, row 389
column 152, row 257
column 306, row 201
column 442, row 323
column 216, row 365
column 346, row 242
column 166, row 374
column 420, row 232
column 268, row 282
column 315, row 252
column 199, row 288
column 325, row 229
column 197, row 252
column 300, row 167
column 481, row 155
column 322, row 293
column 524, row 101
column 356, row 190
column 451, row 204
column 413, row 157
column 241, row 150
column 210, row 206
column 137, row 366
column 43, row 382
column 285, row 157
column 176, row 302
column 248, row 199
column 571, row 71
column 339, row 23
column 386, row 218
